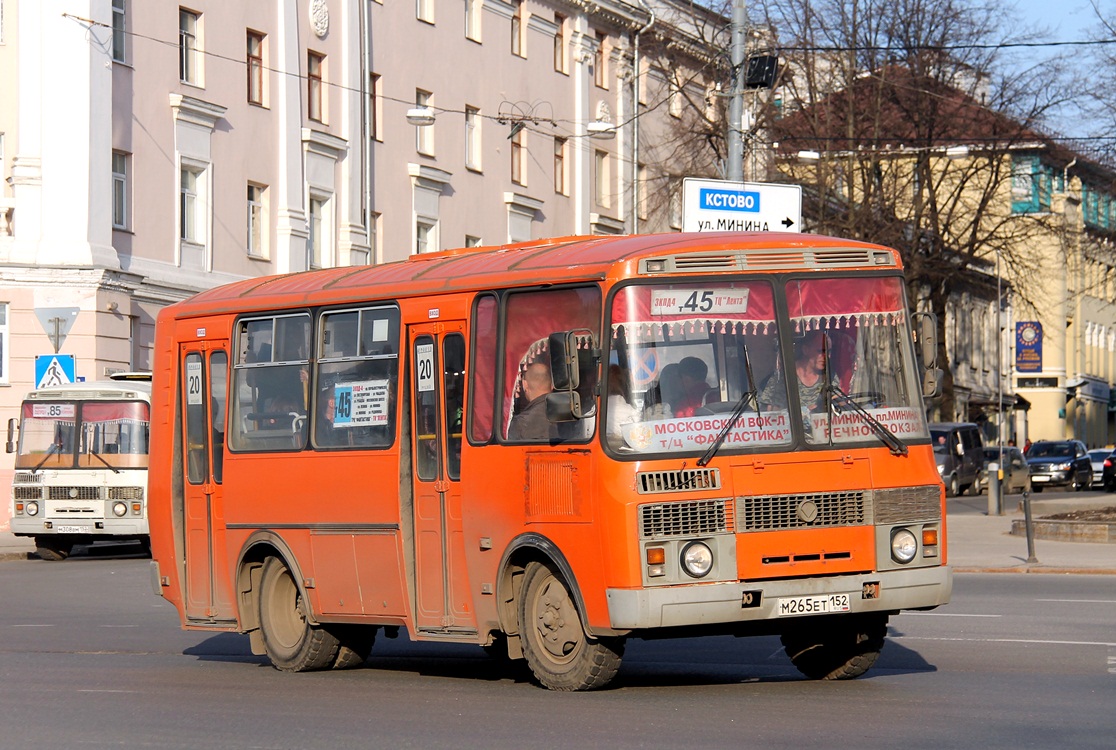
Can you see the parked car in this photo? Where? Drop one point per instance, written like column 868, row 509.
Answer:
column 1016, row 476
column 1096, row 458
column 1108, row 473
column 1059, row 463
column 957, row 452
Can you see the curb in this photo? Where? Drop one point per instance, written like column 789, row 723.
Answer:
column 1038, row 568
column 4, row 556
column 1103, row 532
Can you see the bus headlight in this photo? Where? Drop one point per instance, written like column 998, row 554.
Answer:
column 32, row 508
column 119, row 509
column 697, row 559
column 904, row 546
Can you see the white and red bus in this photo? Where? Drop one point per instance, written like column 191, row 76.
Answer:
column 81, row 464
column 551, row 447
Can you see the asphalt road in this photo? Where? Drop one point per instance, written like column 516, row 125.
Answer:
column 90, row 658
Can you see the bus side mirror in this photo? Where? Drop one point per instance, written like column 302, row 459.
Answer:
column 932, row 382
column 927, row 332
column 564, row 366
column 10, row 447
column 563, row 406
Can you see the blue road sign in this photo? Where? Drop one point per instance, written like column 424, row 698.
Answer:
column 54, row 369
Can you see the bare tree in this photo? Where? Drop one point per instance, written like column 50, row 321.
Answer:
column 881, row 91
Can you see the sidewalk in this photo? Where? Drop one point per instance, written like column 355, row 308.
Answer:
column 977, row 544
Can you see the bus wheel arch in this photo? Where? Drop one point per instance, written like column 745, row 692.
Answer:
column 259, row 547
column 546, row 623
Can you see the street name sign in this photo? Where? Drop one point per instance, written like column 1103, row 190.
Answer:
column 726, row 206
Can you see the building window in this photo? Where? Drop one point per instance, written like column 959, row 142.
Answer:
column 472, row 138
column 518, row 160
column 473, row 19
column 192, row 214
column 518, row 26
column 320, row 232
column 119, row 38
column 604, row 178
column 424, row 10
column 315, row 75
column 561, row 179
column 425, row 238
column 471, row 241
column 674, row 103
column 4, row 342
column 560, row 43
column 375, row 106
column 119, row 190
column 189, row 61
column 600, row 61
column 255, row 67
column 257, row 221
column 424, row 134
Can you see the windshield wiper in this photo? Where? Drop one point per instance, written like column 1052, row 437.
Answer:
column 737, row 410
column 100, row 458
column 844, row 402
column 54, row 448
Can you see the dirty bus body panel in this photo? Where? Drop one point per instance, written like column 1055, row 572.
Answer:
column 81, row 464
column 362, row 448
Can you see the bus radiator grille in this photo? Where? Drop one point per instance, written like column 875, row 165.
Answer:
column 27, row 493
column 805, row 511
column 691, row 518
column 906, row 504
column 74, row 493
column 125, row 493
column 685, row 480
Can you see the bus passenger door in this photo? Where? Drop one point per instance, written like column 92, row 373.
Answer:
column 205, row 368
column 437, row 366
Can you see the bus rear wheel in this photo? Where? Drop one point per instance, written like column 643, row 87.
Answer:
column 355, row 644
column 291, row 642
column 836, row 648
column 52, row 548
column 559, row 652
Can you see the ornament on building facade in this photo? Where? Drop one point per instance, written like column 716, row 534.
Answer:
column 319, row 18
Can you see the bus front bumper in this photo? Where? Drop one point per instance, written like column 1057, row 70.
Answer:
column 715, row 603
column 99, row 528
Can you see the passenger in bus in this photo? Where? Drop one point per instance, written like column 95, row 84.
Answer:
column 664, row 394
column 620, row 410
column 695, row 390
column 326, row 432
column 531, row 424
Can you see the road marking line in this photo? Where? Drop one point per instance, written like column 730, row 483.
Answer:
column 1006, row 640
column 96, row 690
column 1080, row 601
column 945, row 614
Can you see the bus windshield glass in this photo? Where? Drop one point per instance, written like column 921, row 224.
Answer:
column 684, row 357
column 84, row 434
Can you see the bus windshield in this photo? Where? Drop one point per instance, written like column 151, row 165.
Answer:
column 83, row 434
column 685, row 356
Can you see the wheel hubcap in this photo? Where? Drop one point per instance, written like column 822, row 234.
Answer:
column 556, row 623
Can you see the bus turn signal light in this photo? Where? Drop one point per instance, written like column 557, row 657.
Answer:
column 656, row 562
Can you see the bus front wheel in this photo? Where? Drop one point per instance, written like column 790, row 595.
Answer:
column 559, row 652
column 836, row 648
column 52, row 548
column 292, row 643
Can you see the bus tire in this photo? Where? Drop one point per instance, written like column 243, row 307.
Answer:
column 355, row 644
column 292, row 644
column 838, row 648
column 558, row 651
column 52, row 548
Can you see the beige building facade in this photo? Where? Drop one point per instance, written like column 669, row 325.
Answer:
column 150, row 149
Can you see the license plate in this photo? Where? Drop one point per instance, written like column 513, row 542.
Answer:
column 71, row 529
column 813, row 605
column 1039, row 478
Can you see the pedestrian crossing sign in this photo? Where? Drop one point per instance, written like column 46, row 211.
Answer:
column 54, row 369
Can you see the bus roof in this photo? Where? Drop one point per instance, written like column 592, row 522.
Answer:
column 551, row 261
column 97, row 389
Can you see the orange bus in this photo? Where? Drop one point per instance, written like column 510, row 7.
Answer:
column 546, row 448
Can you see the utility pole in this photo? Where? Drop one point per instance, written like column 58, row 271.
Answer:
column 734, row 170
